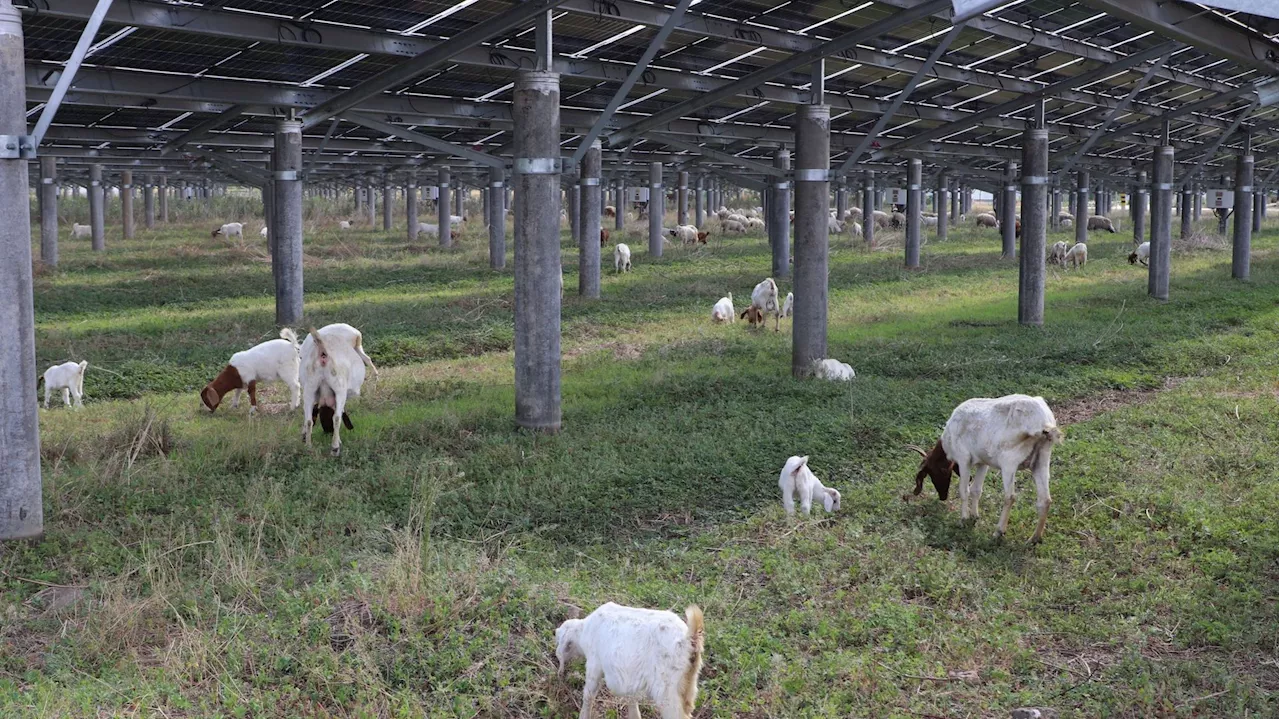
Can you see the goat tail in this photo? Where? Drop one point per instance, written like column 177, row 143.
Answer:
column 288, row 334
column 315, row 335
column 689, row 682
column 84, row 365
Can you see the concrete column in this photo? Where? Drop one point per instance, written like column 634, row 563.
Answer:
column 699, row 214
column 842, row 197
column 942, row 202
column 497, row 220
column 372, row 193
column 1099, row 204
column 779, row 214
column 48, row 203
column 21, row 514
column 656, row 209
column 1035, row 188
column 682, row 199
column 914, row 205
column 620, row 207
column 1185, row 206
column 1055, row 209
column 1138, row 200
column 1259, row 202
column 459, row 199
column 1241, row 233
column 1198, row 199
column 1082, row 206
column 164, row 199
column 386, row 202
column 535, row 110
column 813, row 157
column 126, row 203
column 1158, row 271
column 589, row 223
column 411, row 207
column 148, row 203
column 286, row 230
column 1008, row 211
column 954, row 217
column 575, row 213
column 268, row 217
column 359, row 192
column 97, row 202
column 868, row 207
column 442, row 208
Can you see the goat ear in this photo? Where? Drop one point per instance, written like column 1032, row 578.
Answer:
column 919, row 481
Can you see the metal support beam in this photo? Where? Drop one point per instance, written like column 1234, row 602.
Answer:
column 69, row 70
column 324, row 142
column 203, row 128
column 912, row 255
column 656, row 209
column 1115, row 113
column 425, row 140
column 1199, row 29
column 1217, row 142
column 1008, row 211
column 48, row 211
column 497, row 220
column 718, row 156
column 443, row 208
column 97, row 210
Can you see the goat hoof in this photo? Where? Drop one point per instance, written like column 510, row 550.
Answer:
column 999, row 538
column 336, row 452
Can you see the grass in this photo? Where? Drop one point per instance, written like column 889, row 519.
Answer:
column 209, row 565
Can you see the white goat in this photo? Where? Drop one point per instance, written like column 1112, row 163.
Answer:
column 734, row 226
column 455, row 220
column 789, row 305
column 1141, row 254
column 855, row 229
column 834, row 370
column 755, row 223
column 1007, row 433
column 344, row 225
column 637, row 654
column 270, row 361
column 621, row 258
column 685, row 233
column 428, row 229
column 68, row 377
column 764, row 299
column 1078, row 255
column 333, row 363
column 81, row 231
column 834, row 226
column 231, row 229
column 1058, row 253
column 263, row 231
column 929, row 221
column 797, row 477
column 723, row 310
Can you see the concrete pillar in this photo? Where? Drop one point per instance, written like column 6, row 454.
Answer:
column 954, row 217
column 411, row 207
column 1008, row 211
column 1082, row 206
column 1158, row 271
column 97, row 202
column 699, row 214
column 813, row 157
column 126, row 203
column 164, row 199
column 1055, row 210
column 1222, row 219
column 48, row 204
column 1099, row 204
column 620, row 207
column 682, row 199
column 842, row 197
column 1138, row 201
column 656, row 202
column 780, row 217
column 1035, row 188
column 21, row 513
column 1259, row 201
column 442, row 208
column 1241, row 233
column 386, row 202
column 359, row 192
column 268, row 217
column 497, row 220
column 372, row 204
column 869, row 206
column 286, row 230
column 1197, row 198
column 535, row 110
column 589, row 223
column 1184, row 205
column 914, row 205
column 148, row 203
column 459, row 199
column 575, row 213
column 942, row 202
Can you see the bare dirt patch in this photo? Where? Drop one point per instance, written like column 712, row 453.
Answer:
column 1086, row 408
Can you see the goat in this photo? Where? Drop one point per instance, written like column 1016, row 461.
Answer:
column 1078, row 255
column 734, row 226
column 455, row 220
column 764, row 298
column 986, row 219
column 610, row 211
column 797, row 477
column 604, row 237
column 755, row 223
column 834, row 226
column 1058, row 254
column 686, row 233
column 1007, row 433
column 1141, row 254
column 81, row 231
column 1017, row 227
column 855, row 229
column 897, row 221
column 929, row 221
column 723, row 310
column 68, row 377
column 1098, row 222
column 346, row 225
column 332, row 363
column 231, row 229
column 263, row 231
column 789, row 305
column 881, row 219
column 833, row 370
column 621, row 258
column 270, row 361
column 637, row 653
column 428, row 229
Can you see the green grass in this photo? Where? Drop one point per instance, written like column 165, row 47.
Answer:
column 210, row 565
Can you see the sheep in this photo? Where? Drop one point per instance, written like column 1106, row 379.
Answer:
column 853, row 213
column 1098, row 222
column 789, row 305
column 797, row 477
column 263, row 231
column 455, row 220
column 1066, row 223
column 621, row 258
column 986, row 219
column 723, row 213
column 688, row 234
column 897, row 220
column 1008, row 433
column 734, row 217
column 734, row 226
column 610, row 211
column 754, row 212
column 270, row 361
column 346, row 225
column 755, row 223
column 332, row 367
column 855, row 229
column 833, row 370
column 639, row 654
column 80, row 231
column 1078, row 255
column 1141, row 254
column 68, row 377
column 881, row 219
column 231, row 229
column 928, row 221
column 428, row 229
column 723, row 310
column 1058, row 255
column 764, row 298
column 834, row 226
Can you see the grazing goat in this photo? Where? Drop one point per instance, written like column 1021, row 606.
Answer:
column 764, row 299
column 610, row 211
column 929, row 221
column 833, row 370
column 881, row 219
column 81, row 231
column 688, row 234
column 734, row 226
column 604, row 236
column 985, row 219
column 855, row 229
column 897, row 220
column 797, row 477
column 1141, row 254
column 270, row 361
column 1066, row 223
column 1007, row 433
column 231, row 229
column 333, row 364
column 1078, row 255
column 755, row 223
column 455, row 220
column 637, row 654
column 346, row 225
column 68, row 377
column 1098, row 222
column 1058, row 254
column 621, row 258
column 428, row 229
column 834, row 226
column 789, row 305
column 723, row 310
column 263, row 231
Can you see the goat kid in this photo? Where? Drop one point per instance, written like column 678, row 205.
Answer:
column 67, row 377
column 231, row 229
column 621, row 258
column 797, row 477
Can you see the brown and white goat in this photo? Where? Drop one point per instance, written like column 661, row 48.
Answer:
column 333, row 365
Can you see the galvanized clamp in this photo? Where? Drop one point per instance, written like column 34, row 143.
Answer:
column 589, row 181
column 285, row 175
column 1162, row 186
column 815, row 175
column 496, row 185
column 1035, row 180
column 782, row 186
column 537, row 166
column 1245, row 188
column 17, row 147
